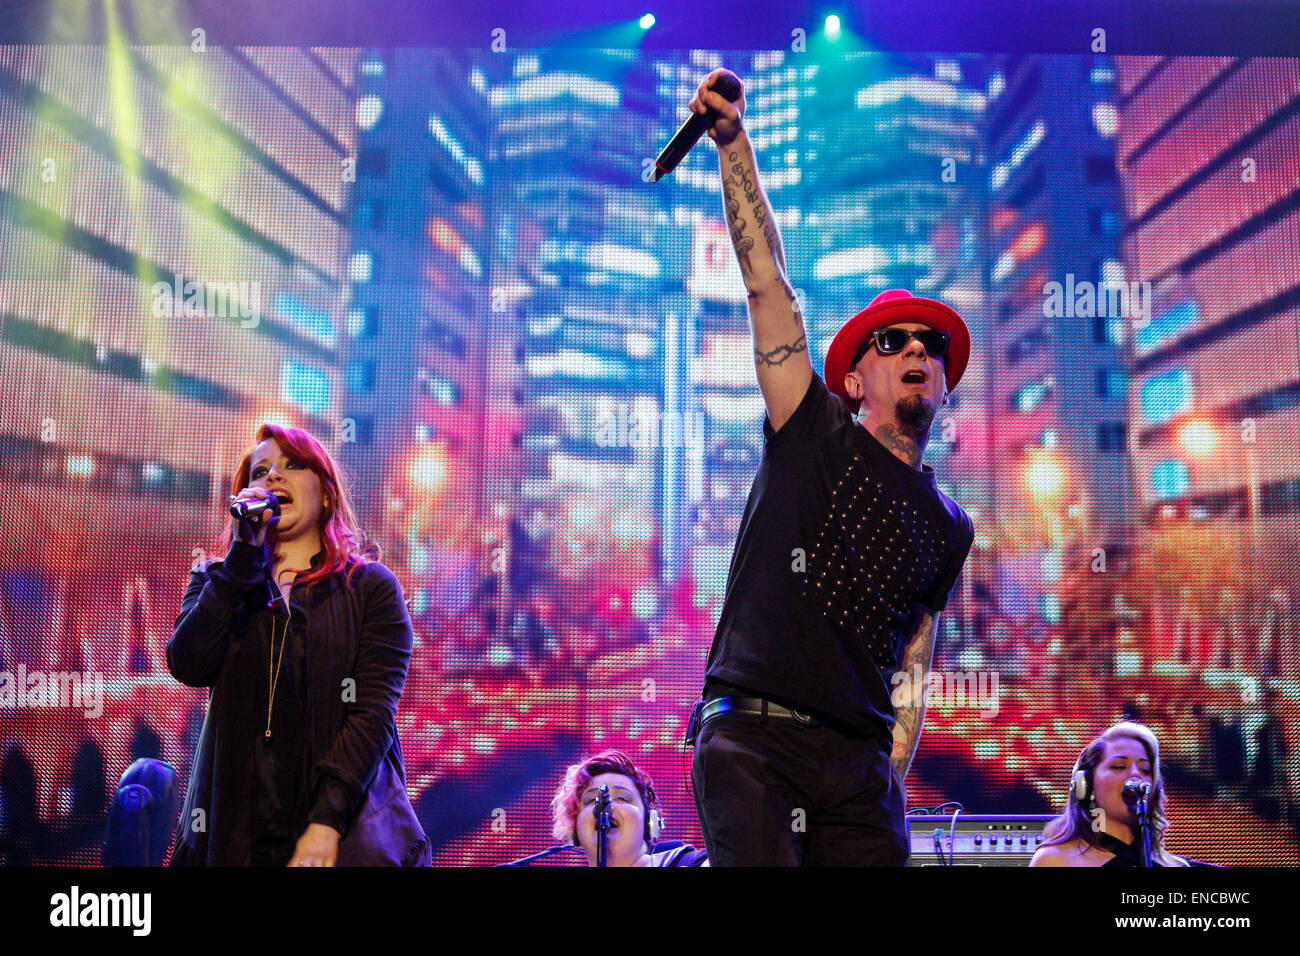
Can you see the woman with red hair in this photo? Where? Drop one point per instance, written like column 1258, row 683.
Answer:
column 635, row 818
column 303, row 638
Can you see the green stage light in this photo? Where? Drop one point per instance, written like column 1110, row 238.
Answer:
column 832, row 27
column 647, row 21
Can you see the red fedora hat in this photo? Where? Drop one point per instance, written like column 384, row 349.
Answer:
column 889, row 308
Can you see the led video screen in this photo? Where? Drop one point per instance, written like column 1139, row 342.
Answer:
column 534, row 367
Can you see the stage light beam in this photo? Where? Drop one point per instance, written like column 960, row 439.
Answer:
column 647, row 21
column 832, row 28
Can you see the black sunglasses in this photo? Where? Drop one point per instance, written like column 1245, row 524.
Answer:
column 892, row 341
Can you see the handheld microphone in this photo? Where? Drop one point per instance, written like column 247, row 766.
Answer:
column 248, row 509
column 728, row 84
column 1135, row 790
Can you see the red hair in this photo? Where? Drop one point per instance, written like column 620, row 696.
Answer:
column 340, row 533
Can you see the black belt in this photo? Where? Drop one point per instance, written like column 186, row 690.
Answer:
column 753, row 705
column 706, row 710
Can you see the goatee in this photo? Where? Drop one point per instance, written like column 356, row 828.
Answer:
column 914, row 415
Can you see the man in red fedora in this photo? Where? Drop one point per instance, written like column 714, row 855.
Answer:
column 846, row 554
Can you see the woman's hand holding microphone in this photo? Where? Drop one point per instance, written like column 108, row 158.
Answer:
column 252, row 529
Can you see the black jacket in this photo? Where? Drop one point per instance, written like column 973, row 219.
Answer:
column 358, row 639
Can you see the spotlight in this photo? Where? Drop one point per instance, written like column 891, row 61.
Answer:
column 832, row 27
column 647, row 21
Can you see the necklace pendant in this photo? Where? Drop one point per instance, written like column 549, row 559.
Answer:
column 268, row 735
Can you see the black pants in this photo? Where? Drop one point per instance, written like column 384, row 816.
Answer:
column 774, row 792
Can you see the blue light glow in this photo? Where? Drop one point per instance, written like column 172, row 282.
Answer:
column 1169, row 479
column 1166, row 395
column 304, row 385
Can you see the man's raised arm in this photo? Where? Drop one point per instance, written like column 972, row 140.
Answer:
column 780, row 341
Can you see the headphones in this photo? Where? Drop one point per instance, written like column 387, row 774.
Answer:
column 654, row 825
column 1081, row 783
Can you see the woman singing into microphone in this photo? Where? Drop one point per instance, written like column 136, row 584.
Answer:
column 1097, row 827
column 303, row 638
column 636, row 819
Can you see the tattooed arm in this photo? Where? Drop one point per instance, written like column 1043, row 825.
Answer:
column 909, row 693
column 780, row 341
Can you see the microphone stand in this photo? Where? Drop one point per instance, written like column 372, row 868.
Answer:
column 549, row 851
column 1144, row 831
column 604, row 820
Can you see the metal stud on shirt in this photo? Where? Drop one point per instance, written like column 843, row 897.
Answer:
column 859, row 585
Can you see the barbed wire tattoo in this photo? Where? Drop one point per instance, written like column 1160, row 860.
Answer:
column 781, row 353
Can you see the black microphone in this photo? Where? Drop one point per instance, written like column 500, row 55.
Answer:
column 1135, row 790
column 1136, row 794
column 604, row 819
column 728, row 84
column 248, row 509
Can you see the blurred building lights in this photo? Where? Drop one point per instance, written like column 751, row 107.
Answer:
column 639, row 344
column 1052, row 565
column 361, row 267
column 1029, row 242
column 1105, row 117
column 278, row 417
column 80, row 466
column 1198, row 436
column 428, row 467
column 1043, row 474
column 1169, row 479
column 369, row 109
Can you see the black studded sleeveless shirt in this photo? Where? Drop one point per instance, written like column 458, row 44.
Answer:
column 840, row 545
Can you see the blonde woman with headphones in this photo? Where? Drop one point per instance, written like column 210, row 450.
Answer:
column 1097, row 827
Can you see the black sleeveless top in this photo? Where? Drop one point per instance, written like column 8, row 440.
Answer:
column 1126, row 854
